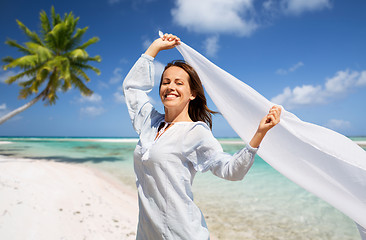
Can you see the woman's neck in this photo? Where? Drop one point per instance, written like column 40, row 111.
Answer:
column 174, row 115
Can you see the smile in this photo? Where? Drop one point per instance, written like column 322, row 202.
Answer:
column 170, row 96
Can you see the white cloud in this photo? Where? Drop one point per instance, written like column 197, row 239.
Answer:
column 338, row 124
column 212, row 45
column 3, row 107
column 118, row 97
column 124, row 61
column 300, row 95
column 146, row 44
column 92, row 111
column 268, row 5
column 117, row 76
column 102, row 85
column 362, row 80
column 215, row 16
column 3, row 110
column 297, row 7
column 95, row 98
column 291, row 69
column 340, row 84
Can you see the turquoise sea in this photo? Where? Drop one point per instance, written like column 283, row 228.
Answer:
column 265, row 205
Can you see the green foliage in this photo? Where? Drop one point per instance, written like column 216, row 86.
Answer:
column 56, row 58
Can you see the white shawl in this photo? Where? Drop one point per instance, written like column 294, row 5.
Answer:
column 318, row 159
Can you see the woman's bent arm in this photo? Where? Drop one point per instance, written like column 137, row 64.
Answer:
column 137, row 84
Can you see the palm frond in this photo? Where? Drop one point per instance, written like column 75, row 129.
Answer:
column 56, row 19
column 76, row 39
column 21, row 48
column 78, row 83
column 55, row 63
column 42, row 74
column 67, row 85
column 26, row 83
column 26, row 91
column 79, row 65
column 80, row 72
column 89, row 42
column 55, row 36
column 42, row 52
column 71, row 22
column 33, row 36
column 65, row 69
column 29, row 73
column 78, row 54
column 7, row 59
column 96, row 58
column 51, row 89
column 25, row 62
column 34, row 86
column 45, row 23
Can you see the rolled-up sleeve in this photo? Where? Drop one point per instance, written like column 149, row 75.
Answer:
column 137, row 84
column 207, row 154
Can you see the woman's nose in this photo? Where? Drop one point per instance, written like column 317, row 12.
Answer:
column 171, row 86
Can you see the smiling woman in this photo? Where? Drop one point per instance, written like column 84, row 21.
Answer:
column 176, row 145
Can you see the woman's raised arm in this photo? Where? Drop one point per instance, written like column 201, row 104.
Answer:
column 167, row 41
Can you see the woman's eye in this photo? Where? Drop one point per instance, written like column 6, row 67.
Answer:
column 179, row 83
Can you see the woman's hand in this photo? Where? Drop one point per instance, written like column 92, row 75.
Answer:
column 167, row 41
column 268, row 122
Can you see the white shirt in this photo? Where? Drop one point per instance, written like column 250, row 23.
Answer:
column 165, row 167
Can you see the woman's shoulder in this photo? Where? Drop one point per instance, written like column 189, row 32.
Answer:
column 197, row 129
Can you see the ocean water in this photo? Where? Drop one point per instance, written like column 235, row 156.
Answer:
column 265, row 205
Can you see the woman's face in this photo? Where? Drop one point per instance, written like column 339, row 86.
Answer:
column 175, row 91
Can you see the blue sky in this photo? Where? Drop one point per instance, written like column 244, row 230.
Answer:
column 308, row 55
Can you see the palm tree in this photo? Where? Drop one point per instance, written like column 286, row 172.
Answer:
column 55, row 61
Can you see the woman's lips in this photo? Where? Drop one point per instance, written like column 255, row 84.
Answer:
column 170, row 96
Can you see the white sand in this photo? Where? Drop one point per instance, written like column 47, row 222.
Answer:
column 361, row 143
column 48, row 200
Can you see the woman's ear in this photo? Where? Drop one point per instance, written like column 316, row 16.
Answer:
column 193, row 96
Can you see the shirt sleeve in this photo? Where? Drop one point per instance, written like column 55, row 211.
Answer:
column 137, row 84
column 206, row 154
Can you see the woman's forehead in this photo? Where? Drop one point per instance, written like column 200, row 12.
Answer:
column 174, row 72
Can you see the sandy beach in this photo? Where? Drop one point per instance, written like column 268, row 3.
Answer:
column 44, row 200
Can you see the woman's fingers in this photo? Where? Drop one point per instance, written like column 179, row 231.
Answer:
column 273, row 117
column 170, row 37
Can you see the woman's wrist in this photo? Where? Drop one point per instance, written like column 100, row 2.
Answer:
column 152, row 50
column 257, row 138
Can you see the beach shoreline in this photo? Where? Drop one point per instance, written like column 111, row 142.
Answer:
column 231, row 141
column 42, row 199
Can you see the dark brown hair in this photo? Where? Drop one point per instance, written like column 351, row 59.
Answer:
column 197, row 110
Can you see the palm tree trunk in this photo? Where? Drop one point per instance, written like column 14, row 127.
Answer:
column 22, row 108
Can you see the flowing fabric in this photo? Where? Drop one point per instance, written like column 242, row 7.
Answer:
column 318, row 159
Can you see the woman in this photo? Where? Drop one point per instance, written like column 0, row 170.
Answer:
column 175, row 145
